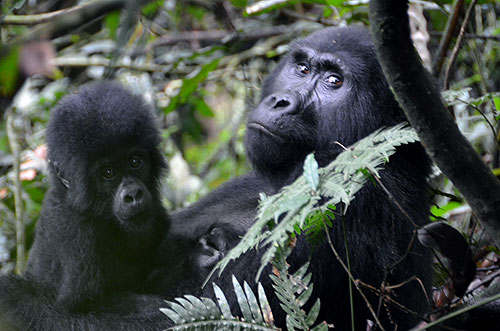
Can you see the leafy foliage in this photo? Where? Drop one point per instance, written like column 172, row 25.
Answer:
column 279, row 215
column 191, row 313
column 293, row 291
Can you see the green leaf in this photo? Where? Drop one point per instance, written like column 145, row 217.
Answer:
column 191, row 313
column 496, row 101
column 311, row 171
column 242, row 300
column 279, row 215
column 321, row 327
column 202, row 108
column 265, row 307
column 253, row 304
column 172, row 315
column 200, row 306
column 112, row 21
column 439, row 211
column 211, row 307
column 190, row 85
column 179, row 310
column 313, row 313
column 223, row 304
column 239, row 3
column 304, row 296
column 9, row 69
column 152, row 8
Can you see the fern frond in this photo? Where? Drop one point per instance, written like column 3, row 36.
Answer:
column 279, row 215
column 191, row 313
column 293, row 291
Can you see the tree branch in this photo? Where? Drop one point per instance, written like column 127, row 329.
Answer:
column 417, row 94
column 446, row 39
column 458, row 44
column 213, row 36
column 47, row 17
column 64, row 21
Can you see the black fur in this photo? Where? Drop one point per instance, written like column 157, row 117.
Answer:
column 300, row 113
column 102, row 219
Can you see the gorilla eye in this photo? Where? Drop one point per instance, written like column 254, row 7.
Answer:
column 335, row 81
column 135, row 162
column 302, row 68
column 108, row 173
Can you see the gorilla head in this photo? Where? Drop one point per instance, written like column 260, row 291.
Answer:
column 329, row 88
column 103, row 149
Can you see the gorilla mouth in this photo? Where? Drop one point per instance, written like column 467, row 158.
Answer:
column 262, row 128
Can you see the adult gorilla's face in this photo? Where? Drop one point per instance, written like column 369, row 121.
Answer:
column 328, row 89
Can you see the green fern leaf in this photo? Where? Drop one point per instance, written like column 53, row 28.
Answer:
column 191, row 313
column 223, row 304
column 242, row 300
column 281, row 214
column 253, row 304
column 311, row 172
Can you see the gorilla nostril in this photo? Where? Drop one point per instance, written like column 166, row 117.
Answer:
column 133, row 197
column 282, row 103
column 128, row 198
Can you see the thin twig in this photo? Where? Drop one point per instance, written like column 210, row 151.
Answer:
column 304, row 17
column 79, row 61
column 485, row 118
column 44, row 17
column 389, row 299
column 351, row 277
column 65, row 22
column 18, row 203
column 445, row 41
column 468, row 36
column 213, row 36
column 458, row 44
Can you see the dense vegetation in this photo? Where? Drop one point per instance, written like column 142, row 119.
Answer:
column 201, row 63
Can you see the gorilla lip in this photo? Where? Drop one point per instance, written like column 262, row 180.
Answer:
column 262, row 128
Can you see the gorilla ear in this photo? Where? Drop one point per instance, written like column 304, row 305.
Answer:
column 58, row 173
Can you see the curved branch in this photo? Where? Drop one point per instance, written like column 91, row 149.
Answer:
column 421, row 101
column 68, row 19
column 47, row 17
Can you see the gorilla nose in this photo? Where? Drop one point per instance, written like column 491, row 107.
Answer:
column 281, row 102
column 133, row 196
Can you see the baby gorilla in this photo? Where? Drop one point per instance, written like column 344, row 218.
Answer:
column 102, row 219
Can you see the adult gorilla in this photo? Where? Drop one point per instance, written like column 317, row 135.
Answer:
column 328, row 89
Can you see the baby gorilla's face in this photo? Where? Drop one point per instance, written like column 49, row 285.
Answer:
column 121, row 179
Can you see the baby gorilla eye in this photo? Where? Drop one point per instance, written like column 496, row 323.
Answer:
column 303, row 69
column 108, row 173
column 135, row 162
column 334, row 81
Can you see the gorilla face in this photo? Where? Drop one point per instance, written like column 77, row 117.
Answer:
column 326, row 90
column 122, row 179
column 103, row 142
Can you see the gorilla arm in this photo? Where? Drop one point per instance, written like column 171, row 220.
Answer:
column 75, row 270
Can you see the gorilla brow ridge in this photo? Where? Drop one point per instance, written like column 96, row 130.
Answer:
column 326, row 61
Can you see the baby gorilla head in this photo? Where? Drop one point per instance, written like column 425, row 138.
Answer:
column 102, row 147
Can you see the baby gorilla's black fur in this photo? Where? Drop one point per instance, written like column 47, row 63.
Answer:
column 102, row 219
